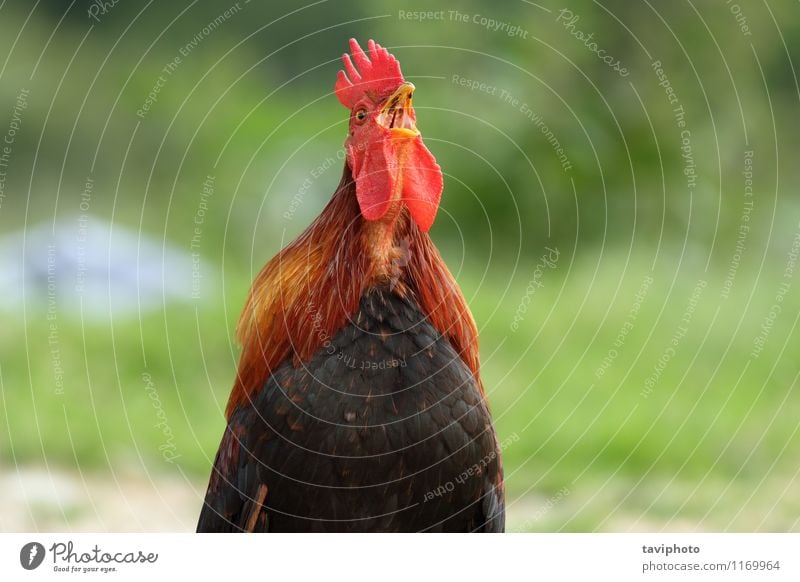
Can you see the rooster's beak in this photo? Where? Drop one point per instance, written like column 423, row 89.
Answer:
column 396, row 113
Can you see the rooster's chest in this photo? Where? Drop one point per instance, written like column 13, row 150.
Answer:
column 385, row 415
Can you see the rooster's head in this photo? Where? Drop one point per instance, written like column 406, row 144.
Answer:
column 387, row 158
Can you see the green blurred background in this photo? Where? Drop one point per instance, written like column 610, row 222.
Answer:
column 633, row 279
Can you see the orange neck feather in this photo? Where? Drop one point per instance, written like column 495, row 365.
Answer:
column 311, row 288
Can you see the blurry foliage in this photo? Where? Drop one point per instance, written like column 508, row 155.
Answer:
column 619, row 162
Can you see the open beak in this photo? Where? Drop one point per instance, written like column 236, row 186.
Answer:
column 396, row 114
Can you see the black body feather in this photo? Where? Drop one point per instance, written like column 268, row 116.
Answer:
column 384, row 429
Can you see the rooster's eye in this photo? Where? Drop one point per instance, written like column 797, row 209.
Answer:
column 361, row 115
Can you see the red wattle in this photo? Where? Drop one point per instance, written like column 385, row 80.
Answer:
column 387, row 164
column 422, row 184
column 374, row 181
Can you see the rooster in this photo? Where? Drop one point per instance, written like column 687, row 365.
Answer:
column 358, row 405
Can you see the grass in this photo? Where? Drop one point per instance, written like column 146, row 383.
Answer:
column 714, row 444
column 714, row 433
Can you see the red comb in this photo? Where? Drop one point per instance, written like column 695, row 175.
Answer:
column 380, row 73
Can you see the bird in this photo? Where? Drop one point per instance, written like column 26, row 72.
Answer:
column 358, row 404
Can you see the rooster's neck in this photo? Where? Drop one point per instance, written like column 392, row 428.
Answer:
column 386, row 244
column 311, row 288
